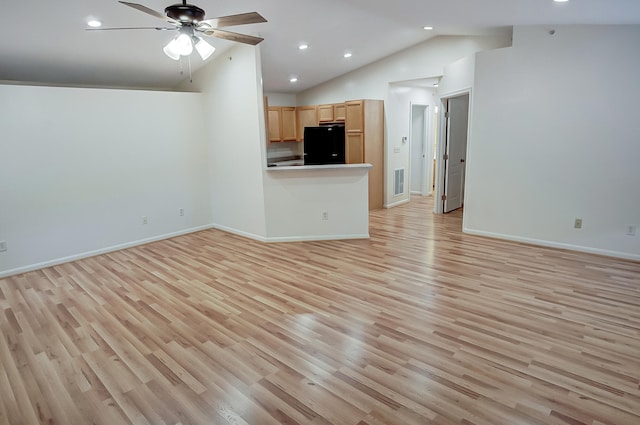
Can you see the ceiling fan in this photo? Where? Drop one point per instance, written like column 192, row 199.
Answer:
column 189, row 21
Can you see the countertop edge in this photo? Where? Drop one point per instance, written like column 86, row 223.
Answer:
column 320, row 167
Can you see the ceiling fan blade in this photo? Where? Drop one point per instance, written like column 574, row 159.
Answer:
column 233, row 36
column 132, row 28
column 231, row 20
column 146, row 10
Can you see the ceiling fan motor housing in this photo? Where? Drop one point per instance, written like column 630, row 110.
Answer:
column 185, row 12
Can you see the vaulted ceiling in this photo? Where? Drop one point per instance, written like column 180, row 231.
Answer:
column 46, row 41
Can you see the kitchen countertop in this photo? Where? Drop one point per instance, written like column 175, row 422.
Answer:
column 318, row 167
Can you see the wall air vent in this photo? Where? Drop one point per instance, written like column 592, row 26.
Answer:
column 398, row 181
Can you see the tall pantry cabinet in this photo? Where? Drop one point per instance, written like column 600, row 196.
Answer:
column 364, row 143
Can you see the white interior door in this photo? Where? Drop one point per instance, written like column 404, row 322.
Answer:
column 457, row 124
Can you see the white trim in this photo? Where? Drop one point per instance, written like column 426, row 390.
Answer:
column 83, row 255
column 441, row 143
column 396, row 204
column 239, row 232
column 290, row 238
column 551, row 244
column 316, row 238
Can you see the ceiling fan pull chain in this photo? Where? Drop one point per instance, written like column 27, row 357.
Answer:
column 190, row 77
column 181, row 70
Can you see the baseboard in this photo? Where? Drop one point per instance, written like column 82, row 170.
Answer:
column 396, row 204
column 551, row 244
column 239, row 232
column 62, row 260
column 316, row 238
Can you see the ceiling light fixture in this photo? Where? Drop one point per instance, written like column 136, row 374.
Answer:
column 183, row 43
column 303, row 47
column 428, row 28
column 347, row 55
column 560, row 1
column 94, row 23
column 293, row 79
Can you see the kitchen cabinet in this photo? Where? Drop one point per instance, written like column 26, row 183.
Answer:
column 273, row 123
column 339, row 111
column 331, row 112
column 325, row 113
column 354, row 116
column 306, row 116
column 281, row 122
column 288, row 124
column 364, row 143
column 354, row 148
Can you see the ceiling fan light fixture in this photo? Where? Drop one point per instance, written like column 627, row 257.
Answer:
column 205, row 50
column 170, row 50
column 181, row 45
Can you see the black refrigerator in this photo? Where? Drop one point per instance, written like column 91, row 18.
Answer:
column 324, row 145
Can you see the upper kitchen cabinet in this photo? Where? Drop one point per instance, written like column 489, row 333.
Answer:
column 354, row 116
column 288, row 129
column 273, row 123
column 281, row 123
column 325, row 113
column 339, row 112
column 306, row 116
column 331, row 113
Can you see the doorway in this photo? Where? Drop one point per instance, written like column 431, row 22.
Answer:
column 420, row 150
column 452, row 153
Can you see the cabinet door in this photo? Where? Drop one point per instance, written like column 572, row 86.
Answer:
column 354, row 116
column 274, row 123
column 339, row 112
column 288, row 124
column 354, row 149
column 325, row 113
column 306, row 116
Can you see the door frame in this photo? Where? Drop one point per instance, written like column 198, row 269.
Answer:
column 441, row 146
column 427, row 166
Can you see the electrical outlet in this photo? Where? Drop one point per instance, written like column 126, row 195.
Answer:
column 145, row 220
column 3, row 246
column 325, row 215
column 631, row 230
column 181, row 211
column 578, row 223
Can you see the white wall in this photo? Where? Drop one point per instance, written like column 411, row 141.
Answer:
column 80, row 167
column 543, row 151
column 234, row 111
column 296, row 200
column 424, row 60
column 281, row 99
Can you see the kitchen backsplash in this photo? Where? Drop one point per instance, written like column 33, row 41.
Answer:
column 284, row 150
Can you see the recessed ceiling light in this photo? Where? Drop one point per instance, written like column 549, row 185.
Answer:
column 293, row 79
column 561, row 1
column 428, row 28
column 303, row 46
column 347, row 55
column 94, row 23
column 436, row 85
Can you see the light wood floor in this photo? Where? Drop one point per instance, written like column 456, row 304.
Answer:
column 418, row 325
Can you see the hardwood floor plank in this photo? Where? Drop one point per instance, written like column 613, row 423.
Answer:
column 420, row 324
